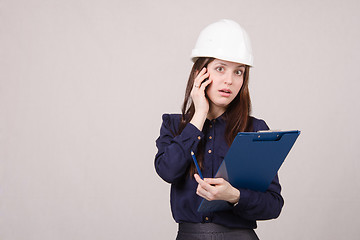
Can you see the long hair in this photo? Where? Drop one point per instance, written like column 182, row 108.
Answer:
column 237, row 114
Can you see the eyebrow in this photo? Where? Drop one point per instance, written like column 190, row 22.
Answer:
column 224, row 64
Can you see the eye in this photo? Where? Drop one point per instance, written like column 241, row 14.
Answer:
column 239, row 72
column 220, row 69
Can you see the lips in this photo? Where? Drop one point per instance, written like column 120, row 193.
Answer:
column 225, row 92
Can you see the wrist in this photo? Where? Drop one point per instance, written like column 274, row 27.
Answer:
column 200, row 115
column 198, row 120
column 236, row 197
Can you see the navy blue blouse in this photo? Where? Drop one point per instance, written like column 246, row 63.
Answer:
column 172, row 163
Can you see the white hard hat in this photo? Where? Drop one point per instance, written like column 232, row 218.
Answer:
column 224, row 40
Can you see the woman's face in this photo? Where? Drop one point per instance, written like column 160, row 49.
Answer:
column 227, row 79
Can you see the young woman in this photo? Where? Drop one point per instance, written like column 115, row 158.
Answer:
column 216, row 107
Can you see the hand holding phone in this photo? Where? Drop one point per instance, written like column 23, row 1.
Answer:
column 198, row 95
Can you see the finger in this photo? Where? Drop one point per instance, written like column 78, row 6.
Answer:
column 207, row 187
column 201, row 182
column 205, row 84
column 201, row 72
column 215, row 181
column 205, row 194
column 197, row 72
column 201, row 77
column 202, row 192
column 197, row 178
column 199, row 82
column 204, row 189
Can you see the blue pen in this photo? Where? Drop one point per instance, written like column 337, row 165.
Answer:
column 197, row 165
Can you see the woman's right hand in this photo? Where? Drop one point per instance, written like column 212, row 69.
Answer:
column 199, row 99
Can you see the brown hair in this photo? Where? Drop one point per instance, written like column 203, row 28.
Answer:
column 237, row 115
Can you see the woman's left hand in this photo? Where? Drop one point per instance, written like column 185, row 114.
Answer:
column 216, row 189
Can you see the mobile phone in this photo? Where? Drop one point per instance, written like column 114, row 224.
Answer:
column 204, row 80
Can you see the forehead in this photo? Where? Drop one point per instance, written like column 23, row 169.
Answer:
column 227, row 63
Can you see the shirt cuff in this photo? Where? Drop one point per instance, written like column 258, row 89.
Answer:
column 191, row 136
column 244, row 199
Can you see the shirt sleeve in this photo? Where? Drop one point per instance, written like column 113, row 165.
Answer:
column 173, row 157
column 255, row 205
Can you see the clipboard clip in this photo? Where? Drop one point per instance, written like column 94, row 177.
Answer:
column 271, row 135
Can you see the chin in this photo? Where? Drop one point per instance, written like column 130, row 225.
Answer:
column 222, row 104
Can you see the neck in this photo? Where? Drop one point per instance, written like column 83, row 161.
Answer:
column 215, row 112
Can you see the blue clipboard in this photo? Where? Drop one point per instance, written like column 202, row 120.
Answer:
column 252, row 162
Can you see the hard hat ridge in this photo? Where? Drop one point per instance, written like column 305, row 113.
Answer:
column 225, row 40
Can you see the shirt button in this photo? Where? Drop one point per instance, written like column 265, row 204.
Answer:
column 210, row 125
column 209, row 151
column 199, row 137
column 210, row 137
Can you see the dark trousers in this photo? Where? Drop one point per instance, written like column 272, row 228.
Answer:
column 212, row 231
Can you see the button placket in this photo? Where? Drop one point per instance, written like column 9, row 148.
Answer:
column 212, row 145
column 209, row 150
column 211, row 133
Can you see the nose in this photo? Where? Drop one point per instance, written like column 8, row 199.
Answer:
column 228, row 80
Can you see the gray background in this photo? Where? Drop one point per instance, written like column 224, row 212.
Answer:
column 83, row 85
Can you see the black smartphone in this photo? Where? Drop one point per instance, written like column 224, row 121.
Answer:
column 204, row 80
